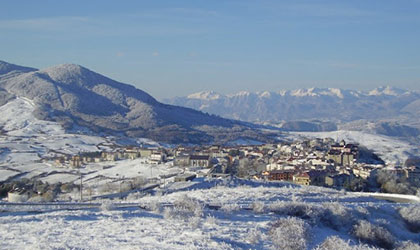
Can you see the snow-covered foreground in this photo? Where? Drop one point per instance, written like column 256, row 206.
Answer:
column 203, row 214
column 215, row 214
column 390, row 149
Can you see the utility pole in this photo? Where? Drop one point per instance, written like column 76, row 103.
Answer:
column 151, row 171
column 119, row 180
column 120, row 187
column 81, row 187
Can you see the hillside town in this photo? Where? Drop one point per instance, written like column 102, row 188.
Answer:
column 320, row 162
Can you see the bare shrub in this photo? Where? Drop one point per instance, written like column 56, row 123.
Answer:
column 229, row 208
column 411, row 216
column 184, row 208
column 125, row 186
column 332, row 214
column 258, row 207
column 189, row 204
column 408, row 245
column 107, row 206
column 211, row 220
column 391, row 183
column 289, row 233
column 67, row 187
column 362, row 211
column 108, row 188
column 295, row 198
column 36, row 198
column 336, row 243
column 254, row 236
column 194, row 221
column 298, row 209
column 372, row 234
column 133, row 196
column 139, row 182
column 154, row 206
column 175, row 213
column 168, row 213
column 48, row 196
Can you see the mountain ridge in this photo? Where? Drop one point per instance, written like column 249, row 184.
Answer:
column 76, row 96
column 313, row 91
column 330, row 107
column 6, row 68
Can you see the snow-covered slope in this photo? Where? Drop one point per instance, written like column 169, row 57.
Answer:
column 391, row 150
column 17, row 119
column 387, row 90
column 205, row 95
column 75, row 96
column 24, row 140
column 6, row 68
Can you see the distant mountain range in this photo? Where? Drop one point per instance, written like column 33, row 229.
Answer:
column 386, row 110
column 77, row 97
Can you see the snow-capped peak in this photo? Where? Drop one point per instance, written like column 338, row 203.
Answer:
column 282, row 92
column 65, row 70
column 205, row 95
column 243, row 93
column 304, row 92
column 74, row 74
column 265, row 94
column 386, row 91
column 239, row 94
column 336, row 92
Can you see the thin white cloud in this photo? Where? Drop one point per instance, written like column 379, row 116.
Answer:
column 46, row 23
column 334, row 64
column 354, row 65
column 330, row 10
column 180, row 13
column 125, row 25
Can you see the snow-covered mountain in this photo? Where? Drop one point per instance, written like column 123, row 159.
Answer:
column 323, row 104
column 75, row 96
column 9, row 68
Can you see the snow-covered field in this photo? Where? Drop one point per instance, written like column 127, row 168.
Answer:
column 390, row 149
column 25, row 140
column 213, row 214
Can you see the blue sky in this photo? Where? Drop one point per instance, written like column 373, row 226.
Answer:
column 173, row 48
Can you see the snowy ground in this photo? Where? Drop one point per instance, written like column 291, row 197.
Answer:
column 25, row 140
column 390, row 149
column 203, row 214
column 211, row 214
